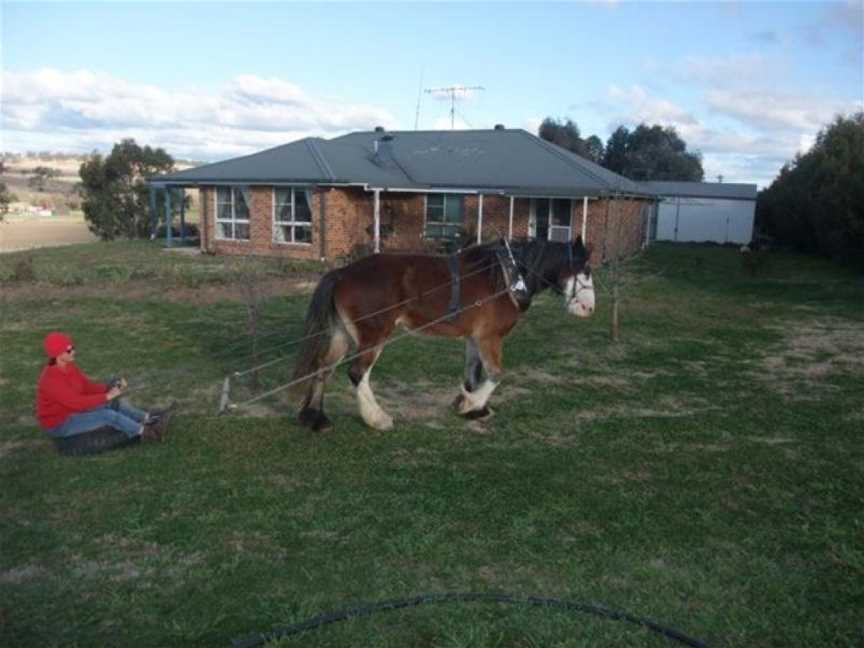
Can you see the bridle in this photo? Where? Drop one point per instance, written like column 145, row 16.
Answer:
column 578, row 285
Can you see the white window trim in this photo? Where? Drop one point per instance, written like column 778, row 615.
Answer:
column 532, row 219
column 233, row 220
column 460, row 197
column 293, row 222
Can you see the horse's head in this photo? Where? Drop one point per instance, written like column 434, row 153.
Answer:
column 575, row 281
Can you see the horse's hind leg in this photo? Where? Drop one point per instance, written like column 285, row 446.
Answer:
column 370, row 410
column 483, row 369
column 312, row 412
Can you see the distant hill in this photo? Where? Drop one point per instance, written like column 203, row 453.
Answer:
column 60, row 195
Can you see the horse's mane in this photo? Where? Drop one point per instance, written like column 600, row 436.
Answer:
column 538, row 261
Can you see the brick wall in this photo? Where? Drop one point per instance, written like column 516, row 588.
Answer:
column 260, row 228
column 613, row 226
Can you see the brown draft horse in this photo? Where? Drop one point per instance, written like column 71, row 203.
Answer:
column 361, row 305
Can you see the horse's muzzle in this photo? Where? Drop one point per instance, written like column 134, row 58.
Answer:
column 580, row 309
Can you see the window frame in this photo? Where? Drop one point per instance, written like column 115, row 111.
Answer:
column 443, row 224
column 550, row 226
column 293, row 224
column 233, row 221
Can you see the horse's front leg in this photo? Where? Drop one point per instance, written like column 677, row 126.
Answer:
column 483, row 369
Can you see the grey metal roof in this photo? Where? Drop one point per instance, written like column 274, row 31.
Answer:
column 727, row 190
column 510, row 161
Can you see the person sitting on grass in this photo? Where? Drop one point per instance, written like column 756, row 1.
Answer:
column 68, row 403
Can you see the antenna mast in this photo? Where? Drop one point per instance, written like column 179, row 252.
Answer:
column 452, row 90
column 419, row 95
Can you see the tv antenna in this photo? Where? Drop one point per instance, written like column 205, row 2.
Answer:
column 453, row 91
column 419, row 95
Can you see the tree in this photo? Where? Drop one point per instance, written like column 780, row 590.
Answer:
column 652, row 153
column 594, row 149
column 40, row 176
column 615, row 155
column 566, row 135
column 114, row 190
column 6, row 199
column 816, row 203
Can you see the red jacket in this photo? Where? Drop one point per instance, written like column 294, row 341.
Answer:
column 62, row 393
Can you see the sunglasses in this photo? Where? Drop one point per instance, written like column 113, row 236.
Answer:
column 71, row 349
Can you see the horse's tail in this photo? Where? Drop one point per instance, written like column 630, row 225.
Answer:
column 322, row 321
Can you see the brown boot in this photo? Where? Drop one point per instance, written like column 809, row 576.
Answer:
column 151, row 432
column 156, row 430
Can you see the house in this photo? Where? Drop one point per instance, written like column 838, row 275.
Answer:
column 703, row 212
column 410, row 190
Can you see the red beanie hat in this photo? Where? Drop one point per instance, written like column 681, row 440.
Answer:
column 57, row 343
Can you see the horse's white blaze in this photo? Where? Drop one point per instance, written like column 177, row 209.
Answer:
column 478, row 398
column 370, row 410
column 580, row 295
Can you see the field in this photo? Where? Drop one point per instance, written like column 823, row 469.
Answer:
column 59, row 195
column 706, row 471
column 28, row 232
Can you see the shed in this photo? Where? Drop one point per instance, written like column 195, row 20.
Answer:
column 713, row 212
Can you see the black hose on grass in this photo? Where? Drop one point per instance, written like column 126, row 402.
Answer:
column 469, row 597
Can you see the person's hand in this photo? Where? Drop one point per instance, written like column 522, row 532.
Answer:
column 113, row 393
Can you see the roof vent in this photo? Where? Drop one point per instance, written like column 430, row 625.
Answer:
column 379, row 129
column 499, row 127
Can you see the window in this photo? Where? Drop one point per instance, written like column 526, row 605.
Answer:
column 232, row 213
column 444, row 216
column 292, row 217
column 551, row 219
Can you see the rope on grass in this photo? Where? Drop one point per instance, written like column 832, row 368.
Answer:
column 464, row 597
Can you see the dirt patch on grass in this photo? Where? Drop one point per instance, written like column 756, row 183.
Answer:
column 144, row 290
column 8, row 448
column 667, row 407
column 19, row 575
column 772, row 440
column 420, row 402
column 812, row 350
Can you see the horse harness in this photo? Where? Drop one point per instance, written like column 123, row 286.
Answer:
column 517, row 289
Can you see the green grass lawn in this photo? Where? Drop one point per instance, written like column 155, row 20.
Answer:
column 706, row 472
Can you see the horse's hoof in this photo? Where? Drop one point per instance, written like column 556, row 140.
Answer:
column 307, row 417
column 479, row 415
column 323, row 424
column 458, row 403
column 463, row 404
column 314, row 419
column 384, row 423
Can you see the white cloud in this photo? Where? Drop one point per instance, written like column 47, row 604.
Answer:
column 735, row 70
column 777, row 111
column 765, row 133
column 638, row 106
column 83, row 110
column 532, row 124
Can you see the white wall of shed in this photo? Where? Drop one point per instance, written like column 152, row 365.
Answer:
column 705, row 219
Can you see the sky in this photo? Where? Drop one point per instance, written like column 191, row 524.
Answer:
column 748, row 84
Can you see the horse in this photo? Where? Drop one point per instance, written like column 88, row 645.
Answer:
column 477, row 294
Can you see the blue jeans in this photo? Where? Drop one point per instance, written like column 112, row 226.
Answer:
column 117, row 414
